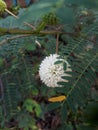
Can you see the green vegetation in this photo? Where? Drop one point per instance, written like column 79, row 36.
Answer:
column 48, row 27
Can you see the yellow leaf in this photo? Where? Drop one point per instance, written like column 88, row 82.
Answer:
column 57, row 99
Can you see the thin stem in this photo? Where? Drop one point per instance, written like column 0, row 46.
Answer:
column 12, row 38
column 2, row 89
column 11, row 13
column 29, row 25
column 4, row 31
column 57, row 43
column 26, row 23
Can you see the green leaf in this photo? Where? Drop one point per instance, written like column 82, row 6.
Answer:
column 30, row 47
column 53, row 106
column 34, row 91
column 25, row 120
column 94, row 94
column 64, row 66
column 1, row 62
column 64, row 112
column 71, row 105
column 38, row 110
column 40, row 27
column 58, row 62
column 28, row 104
column 86, row 127
column 69, row 127
column 31, row 106
column 90, row 114
column 66, row 127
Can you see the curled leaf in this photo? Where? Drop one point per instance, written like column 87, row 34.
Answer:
column 57, row 99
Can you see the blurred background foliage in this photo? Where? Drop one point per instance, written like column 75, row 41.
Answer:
column 23, row 98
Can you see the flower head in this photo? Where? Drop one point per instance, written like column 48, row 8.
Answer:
column 2, row 6
column 51, row 73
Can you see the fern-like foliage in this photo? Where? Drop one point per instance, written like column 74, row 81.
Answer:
column 82, row 54
column 17, row 83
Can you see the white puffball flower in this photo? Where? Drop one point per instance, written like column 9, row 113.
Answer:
column 51, row 73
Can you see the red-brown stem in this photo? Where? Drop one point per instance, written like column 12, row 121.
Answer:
column 57, row 43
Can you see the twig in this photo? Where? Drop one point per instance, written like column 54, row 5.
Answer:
column 12, row 38
column 11, row 13
column 10, row 31
column 57, row 43
column 24, row 33
column 1, row 89
column 26, row 23
column 29, row 25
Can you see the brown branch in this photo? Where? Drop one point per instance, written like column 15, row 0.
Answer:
column 24, row 33
column 10, row 31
